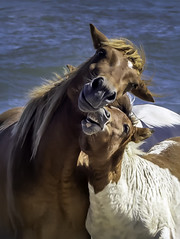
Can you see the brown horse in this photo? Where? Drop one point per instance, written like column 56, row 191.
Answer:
column 43, row 192
column 132, row 194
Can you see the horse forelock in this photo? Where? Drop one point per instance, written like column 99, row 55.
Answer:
column 43, row 103
column 133, row 53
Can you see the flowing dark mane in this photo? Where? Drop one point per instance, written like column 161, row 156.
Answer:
column 38, row 112
column 133, row 53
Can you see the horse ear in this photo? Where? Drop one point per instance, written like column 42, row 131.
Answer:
column 141, row 134
column 142, row 92
column 97, row 36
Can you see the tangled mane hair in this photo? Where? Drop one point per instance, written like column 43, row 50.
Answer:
column 44, row 101
column 132, row 52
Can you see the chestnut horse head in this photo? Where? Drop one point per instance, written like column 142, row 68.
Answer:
column 114, row 70
column 106, row 132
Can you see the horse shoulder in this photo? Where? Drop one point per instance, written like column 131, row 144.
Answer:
column 166, row 155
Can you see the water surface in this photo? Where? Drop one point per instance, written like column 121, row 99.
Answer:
column 41, row 37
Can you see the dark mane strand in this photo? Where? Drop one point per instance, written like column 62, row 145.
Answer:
column 38, row 112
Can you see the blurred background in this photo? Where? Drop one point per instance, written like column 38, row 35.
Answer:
column 38, row 38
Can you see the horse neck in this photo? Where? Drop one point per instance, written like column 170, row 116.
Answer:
column 59, row 148
column 103, row 171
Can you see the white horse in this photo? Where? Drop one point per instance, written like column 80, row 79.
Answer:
column 164, row 122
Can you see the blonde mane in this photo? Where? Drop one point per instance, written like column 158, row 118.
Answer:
column 133, row 53
column 44, row 101
column 40, row 91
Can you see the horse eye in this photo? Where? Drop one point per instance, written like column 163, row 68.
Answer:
column 101, row 52
column 126, row 128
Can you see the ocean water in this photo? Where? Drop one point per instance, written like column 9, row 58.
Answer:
column 38, row 38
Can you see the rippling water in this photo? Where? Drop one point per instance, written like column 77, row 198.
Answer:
column 40, row 37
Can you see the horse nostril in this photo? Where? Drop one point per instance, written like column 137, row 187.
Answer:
column 97, row 83
column 112, row 96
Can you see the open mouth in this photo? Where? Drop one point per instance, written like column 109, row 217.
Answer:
column 95, row 121
column 91, row 125
column 91, row 119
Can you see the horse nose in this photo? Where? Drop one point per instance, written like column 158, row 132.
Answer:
column 96, row 94
column 97, row 83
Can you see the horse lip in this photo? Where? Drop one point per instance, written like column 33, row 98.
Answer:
column 93, row 120
column 99, row 118
column 89, row 127
column 83, row 104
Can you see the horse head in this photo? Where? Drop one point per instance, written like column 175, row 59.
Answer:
column 107, row 132
column 114, row 70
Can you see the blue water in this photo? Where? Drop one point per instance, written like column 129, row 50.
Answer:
column 40, row 37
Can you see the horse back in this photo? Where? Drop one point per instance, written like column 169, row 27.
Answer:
column 166, row 155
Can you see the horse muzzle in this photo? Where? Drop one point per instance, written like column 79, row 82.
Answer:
column 95, row 121
column 95, row 95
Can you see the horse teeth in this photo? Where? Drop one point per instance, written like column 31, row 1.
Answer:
column 92, row 118
column 88, row 124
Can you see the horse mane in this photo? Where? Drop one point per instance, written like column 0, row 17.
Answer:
column 44, row 100
column 133, row 149
column 133, row 53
